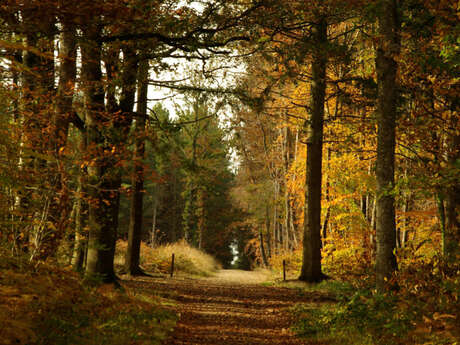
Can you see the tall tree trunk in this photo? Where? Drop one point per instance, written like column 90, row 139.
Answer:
column 38, row 89
column 153, row 231
column 137, row 197
column 293, row 228
column 388, row 48
column 81, row 239
column 16, row 58
column 452, row 197
column 311, row 261
column 276, row 229
column 262, row 249
column 189, row 215
column 29, row 88
column 116, row 137
column 101, row 232
column 405, row 225
column 60, row 203
column 67, row 75
column 328, row 210
column 292, row 208
column 201, row 217
column 287, row 195
column 176, row 232
column 267, row 229
column 373, row 225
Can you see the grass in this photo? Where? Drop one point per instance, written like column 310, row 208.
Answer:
column 422, row 309
column 47, row 305
column 362, row 318
column 43, row 304
column 188, row 260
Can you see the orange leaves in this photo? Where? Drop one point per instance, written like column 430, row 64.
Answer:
column 439, row 316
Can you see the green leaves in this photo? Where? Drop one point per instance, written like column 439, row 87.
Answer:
column 355, row 320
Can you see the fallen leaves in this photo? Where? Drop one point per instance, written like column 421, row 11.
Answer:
column 221, row 310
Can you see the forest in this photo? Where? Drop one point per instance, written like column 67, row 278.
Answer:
column 246, row 137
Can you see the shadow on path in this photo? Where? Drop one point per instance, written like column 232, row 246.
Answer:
column 230, row 308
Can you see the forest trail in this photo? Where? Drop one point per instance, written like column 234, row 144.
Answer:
column 230, row 308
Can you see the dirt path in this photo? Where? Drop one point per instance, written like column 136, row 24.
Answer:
column 231, row 308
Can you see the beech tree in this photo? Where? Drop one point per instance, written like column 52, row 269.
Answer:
column 137, row 198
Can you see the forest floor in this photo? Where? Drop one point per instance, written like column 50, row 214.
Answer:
column 233, row 307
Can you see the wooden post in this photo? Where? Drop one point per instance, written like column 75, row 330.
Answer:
column 284, row 270
column 172, row 265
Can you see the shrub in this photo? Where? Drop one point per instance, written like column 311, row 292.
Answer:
column 188, row 260
column 361, row 319
column 47, row 305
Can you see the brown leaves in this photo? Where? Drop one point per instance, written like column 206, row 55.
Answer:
column 230, row 308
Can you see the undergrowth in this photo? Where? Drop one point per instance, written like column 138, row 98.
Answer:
column 188, row 260
column 423, row 307
column 46, row 305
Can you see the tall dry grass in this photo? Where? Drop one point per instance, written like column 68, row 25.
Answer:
column 188, row 260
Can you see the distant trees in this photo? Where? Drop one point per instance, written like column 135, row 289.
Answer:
column 193, row 194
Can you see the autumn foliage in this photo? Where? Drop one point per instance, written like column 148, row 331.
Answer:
column 322, row 134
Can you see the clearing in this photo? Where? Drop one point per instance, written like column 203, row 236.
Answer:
column 230, row 308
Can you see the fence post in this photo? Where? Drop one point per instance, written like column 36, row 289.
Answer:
column 172, row 265
column 284, row 270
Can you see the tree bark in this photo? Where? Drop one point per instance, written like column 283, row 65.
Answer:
column 311, row 261
column 292, row 208
column 81, row 239
column 388, row 48
column 267, row 230
column 262, row 249
column 101, row 232
column 67, row 75
column 37, row 90
column 328, row 210
column 137, row 197
column 201, row 222
column 276, row 230
column 452, row 199
column 287, row 195
column 60, row 203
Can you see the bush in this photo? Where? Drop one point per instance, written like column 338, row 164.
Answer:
column 188, row 260
column 364, row 316
column 46, row 305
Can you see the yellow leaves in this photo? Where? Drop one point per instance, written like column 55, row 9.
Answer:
column 426, row 319
column 51, row 226
column 439, row 316
column 339, row 199
column 432, row 79
column 9, row 291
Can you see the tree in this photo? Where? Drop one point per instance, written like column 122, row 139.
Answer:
column 101, row 240
column 311, row 262
column 137, row 198
column 388, row 49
